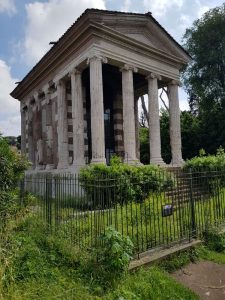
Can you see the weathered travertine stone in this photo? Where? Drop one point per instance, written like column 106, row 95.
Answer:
column 38, row 134
column 31, row 154
column 97, row 109
column 118, row 125
column 39, row 154
column 48, row 132
column 23, row 111
column 128, row 114
column 78, row 120
column 154, row 123
column 137, row 127
column 63, row 155
column 175, row 132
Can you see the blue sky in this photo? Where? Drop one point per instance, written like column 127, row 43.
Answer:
column 27, row 26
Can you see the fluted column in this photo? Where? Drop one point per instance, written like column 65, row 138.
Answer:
column 31, row 154
column 63, row 154
column 97, row 109
column 154, row 121
column 38, row 134
column 49, row 132
column 175, row 130
column 128, row 114
column 23, row 111
column 137, row 127
column 78, row 120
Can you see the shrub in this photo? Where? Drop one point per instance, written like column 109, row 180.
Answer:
column 110, row 258
column 120, row 183
column 214, row 239
column 12, row 166
column 206, row 162
column 209, row 168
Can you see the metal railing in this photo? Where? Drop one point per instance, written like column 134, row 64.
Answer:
column 173, row 207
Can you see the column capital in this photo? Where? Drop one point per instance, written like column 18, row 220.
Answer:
column 23, row 108
column 75, row 71
column 175, row 82
column 32, row 101
column 59, row 82
column 128, row 67
column 96, row 56
column 153, row 76
column 45, row 89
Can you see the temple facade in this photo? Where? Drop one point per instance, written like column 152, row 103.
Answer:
column 79, row 104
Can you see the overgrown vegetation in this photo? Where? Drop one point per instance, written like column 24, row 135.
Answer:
column 37, row 264
column 12, row 167
column 124, row 181
column 205, row 162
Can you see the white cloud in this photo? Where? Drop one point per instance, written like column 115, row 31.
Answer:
column 7, row 6
column 10, row 126
column 47, row 21
column 160, row 7
column 10, row 112
column 202, row 10
column 126, row 5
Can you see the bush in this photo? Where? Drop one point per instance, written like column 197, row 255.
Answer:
column 109, row 261
column 12, row 166
column 207, row 162
column 120, row 183
column 214, row 239
column 209, row 168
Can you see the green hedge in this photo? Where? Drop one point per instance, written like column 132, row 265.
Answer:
column 206, row 162
column 210, row 169
column 120, row 183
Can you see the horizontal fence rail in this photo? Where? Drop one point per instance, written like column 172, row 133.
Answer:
column 158, row 210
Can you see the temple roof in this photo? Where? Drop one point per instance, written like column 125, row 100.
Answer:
column 143, row 28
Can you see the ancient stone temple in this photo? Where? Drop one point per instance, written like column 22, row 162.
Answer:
column 79, row 102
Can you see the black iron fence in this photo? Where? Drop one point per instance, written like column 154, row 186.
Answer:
column 153, row 211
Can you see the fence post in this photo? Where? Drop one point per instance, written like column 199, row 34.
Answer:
column 49, row 200
column 192, row 203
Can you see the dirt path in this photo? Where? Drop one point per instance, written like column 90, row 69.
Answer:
column 207, row 279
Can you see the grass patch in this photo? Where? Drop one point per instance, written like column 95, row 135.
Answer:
column 36, row 265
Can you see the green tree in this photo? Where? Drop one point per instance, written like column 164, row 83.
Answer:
column 12, row 166
column 204, row 78
column 144, row 145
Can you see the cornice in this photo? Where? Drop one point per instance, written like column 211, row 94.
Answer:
column 76, row 39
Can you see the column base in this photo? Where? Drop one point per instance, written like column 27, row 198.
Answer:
column 133, row 162
column 75, row 168
column 157, row 161
column 49, row 167
column 62, row 166
column 95, row 161
column 176, row 163
column 40, row 167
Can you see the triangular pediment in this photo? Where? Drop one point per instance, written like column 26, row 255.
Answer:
column 144, row 29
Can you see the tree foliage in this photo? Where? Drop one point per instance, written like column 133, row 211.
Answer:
column 190, row 132
column 12, row 166
column 204, row 78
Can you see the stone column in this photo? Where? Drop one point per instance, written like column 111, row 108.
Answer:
column 118, row 125
column 128, row 115
column 49, row 132
column 23, row 109
column 154, row 121
column 97, row 110
column 137, row 127
column 38, row 134
column 31, row 154
column 78, row 120
column 175, row 131
column 63, row 153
